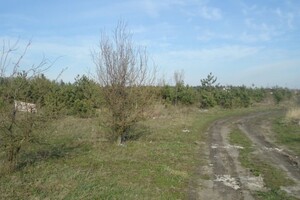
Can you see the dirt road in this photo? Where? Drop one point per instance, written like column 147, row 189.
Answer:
column 224, row 178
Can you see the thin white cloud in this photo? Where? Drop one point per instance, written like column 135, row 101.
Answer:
column 208, row 35
column 75, row 56
column 156, row 36
column 258, row 37
column 282, row 73
column 133, row 8
column 154, row 7
column 202, row 10
column 258, row 26
column 198, row 63
column 230, row 52
column 259, row 31
column 286, row 18
column 269, row 21
column 248, row 9
column 210, row 13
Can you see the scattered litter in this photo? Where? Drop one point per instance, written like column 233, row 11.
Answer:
column 203, row 110
column 228, row 181
column 233, row 146
column 215, row 146
column 273, row 149
column 185, row 130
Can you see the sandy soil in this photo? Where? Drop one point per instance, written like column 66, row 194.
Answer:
column 223, row 177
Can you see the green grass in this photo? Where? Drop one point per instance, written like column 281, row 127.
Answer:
column 273, row 177
column 70, row 158
column 287, row 133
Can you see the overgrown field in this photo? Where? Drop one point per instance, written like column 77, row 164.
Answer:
column 71, row 158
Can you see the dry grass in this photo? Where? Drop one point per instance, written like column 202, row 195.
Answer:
column 293, row 114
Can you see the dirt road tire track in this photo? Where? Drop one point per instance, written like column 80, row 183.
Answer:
column 258, row 131
column 227, row 178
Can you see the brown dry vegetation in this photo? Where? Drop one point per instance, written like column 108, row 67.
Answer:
column 293, row 114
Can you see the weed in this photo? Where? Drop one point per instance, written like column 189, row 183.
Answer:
column 293, row 115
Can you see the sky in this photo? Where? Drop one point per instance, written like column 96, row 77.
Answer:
column 242, row 42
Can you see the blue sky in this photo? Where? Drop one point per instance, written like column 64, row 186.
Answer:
column 239, row 41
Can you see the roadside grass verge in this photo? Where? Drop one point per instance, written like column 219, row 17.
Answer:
column 287, row 133
column 273, row 177
column 293, row 114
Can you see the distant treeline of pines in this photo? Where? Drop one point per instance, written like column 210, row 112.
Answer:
column 83, row 97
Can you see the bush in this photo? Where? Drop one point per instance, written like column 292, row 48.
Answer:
column 225, row 99
column 280, row 94
column 83, row 108
column 207, row 99
column 185, row 95
column 80, row 98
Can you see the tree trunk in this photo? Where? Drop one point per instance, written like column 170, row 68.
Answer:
column 119, row 140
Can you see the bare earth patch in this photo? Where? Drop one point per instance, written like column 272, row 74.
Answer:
column 256, row 128
column 224, row 177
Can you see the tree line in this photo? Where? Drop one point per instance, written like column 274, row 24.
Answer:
column 210, row 94
column 84, row 96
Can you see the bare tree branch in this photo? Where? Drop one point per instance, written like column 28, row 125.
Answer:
column 125, row 77
column 15, row 128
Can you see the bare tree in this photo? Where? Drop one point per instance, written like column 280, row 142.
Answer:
column 15, row 127
column 125, row 78
column 178, row 78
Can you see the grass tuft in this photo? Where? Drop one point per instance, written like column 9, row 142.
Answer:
column 287, row 133
column 293, row 114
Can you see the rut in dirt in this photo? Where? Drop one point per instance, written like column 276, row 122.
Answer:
column 229, row 180
column 257, row 129
column 228, row 174
column 287, row 161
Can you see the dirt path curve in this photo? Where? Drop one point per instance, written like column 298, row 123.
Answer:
column 223, row 177
column 257, row 128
